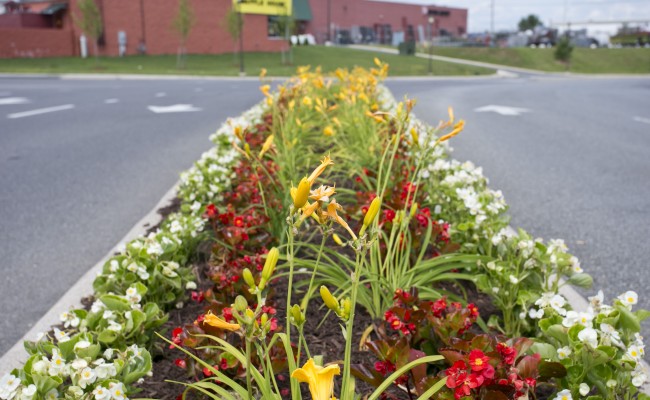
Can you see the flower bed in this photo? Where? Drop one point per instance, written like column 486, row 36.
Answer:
column 401, row 251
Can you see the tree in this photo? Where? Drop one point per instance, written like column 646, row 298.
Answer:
column 90, row 22
column 182, row 24
column 234, row 24
column 563, row 51
column 529, row 23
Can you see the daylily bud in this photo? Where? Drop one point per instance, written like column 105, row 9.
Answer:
column 264, row 319
column 248, row 278
column 302, row 194
column 329, row 300
column 266, row 146
column 414, row 136
column 241, row 304
column 373, row 210
column 262, row 284
column 247, row 149
column 414, row 209
column 457, row 129
column 296, row 313
column 269, row 265
column 347, row 306
column 249, row 316
column 337, row 240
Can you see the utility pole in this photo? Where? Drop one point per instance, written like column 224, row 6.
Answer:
column 492, row 41
column 329, row 20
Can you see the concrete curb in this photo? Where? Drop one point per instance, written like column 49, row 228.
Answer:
column 16, row 356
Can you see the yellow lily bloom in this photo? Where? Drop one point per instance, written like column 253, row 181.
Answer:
column 265, row 90
column 324, row 163
column 217, row 322
column 320, row 379
column 267, row 145
column 262, row 73
column 457, row 129
column 322, row 193
column 332, row 208
column 328, row 131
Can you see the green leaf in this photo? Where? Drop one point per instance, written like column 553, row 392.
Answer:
column 107, row 336
column 574, row 373
column 545, row 350
column 46, row 383
column 641, row 315
column 115, row 303
column 552, row 370
column 581, row 280
column 628, row 320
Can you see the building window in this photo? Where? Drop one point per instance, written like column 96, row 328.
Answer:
column 275, row 27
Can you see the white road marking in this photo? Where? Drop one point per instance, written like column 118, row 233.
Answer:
column 503, row 110
column 161, row 94
column 40, row 111
column 111, row 101
column 13, row 100
column 641, row 119
column 174, row 109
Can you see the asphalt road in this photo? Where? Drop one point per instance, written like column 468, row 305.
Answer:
column 575, row 166
column 74, row 181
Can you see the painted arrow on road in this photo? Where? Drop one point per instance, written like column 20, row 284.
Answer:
column 174, row 109
column 503, row 110
column 13, row 100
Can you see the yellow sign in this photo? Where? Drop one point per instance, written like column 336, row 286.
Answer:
column 266, row 7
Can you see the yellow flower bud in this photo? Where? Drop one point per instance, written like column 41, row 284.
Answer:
column 240, row 303
column 297, row 315
column 328, row 131
column 264, row 319
column 373, row 210
column 457, row 129
column 329, row 300
column 307, row 101
column 248, row 278
column 247, row 149
column 270, row 263
column 414, row 209
column 338, row 240
column 267, row 145
column 415, row 136
column 262, row 284
column 302, row 194
column 346, row 309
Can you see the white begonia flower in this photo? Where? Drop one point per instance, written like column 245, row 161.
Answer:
column 190, row 285
column 69, row 319
column 196, row 206
column 570, row 319
column 132, row 267
column 52, row 395
column 41, row 366
column 117, row 391
column 545, row 300
column 97, row 306
column 609, row 336
column 101, row 393
column 526, row 247
column 563, row 352
column 585, row 318
column 611, row 384
column 583, row 389
column 530, row 263
column 495, row 290
column 108, row 353
column 142, row 273
column 82, row 344
column 28, row 392
column 114, row 326
column 589, row 336
column 154, row 249
column 79, row 363
column 108, row 314
column 536, row 314
column 113, row 266
column 564, row 395
column 8, row 385
column 132, row 295
column 513, row 279
column 175, row 226
column 105, row 371
column 629, row 298
column 634, row 353
column 57, row 364
column 639, row 376
column 86, row 377
column 61, row 336
column 575, row 265
column 75, row 392
column 556, row 246
column 168, row 272
column 437, row 209
column 491, row 266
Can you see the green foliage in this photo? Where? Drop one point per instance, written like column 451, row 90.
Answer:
column 233, row 23
column 530, row 22
column 182, row 24
column 564, row 50
column 90, row 19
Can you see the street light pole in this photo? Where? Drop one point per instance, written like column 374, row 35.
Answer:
column 431, row 21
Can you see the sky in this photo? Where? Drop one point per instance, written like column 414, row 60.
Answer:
column 507, row 13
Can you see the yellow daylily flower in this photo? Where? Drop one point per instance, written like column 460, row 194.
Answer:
column 266, row 146
column 332, row 214
column 320, row 379
column 217, row 322
column 322, row 193
column 324, row 163
column 262, row 73
column 265, row 90
column 457, row 129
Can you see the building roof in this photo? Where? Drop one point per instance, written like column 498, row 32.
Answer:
column 302, row 10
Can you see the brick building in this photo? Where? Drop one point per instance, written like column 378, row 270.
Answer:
column 45, row 28
column 378, row 21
